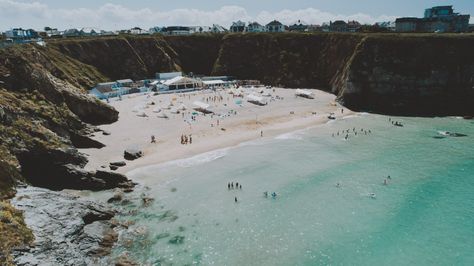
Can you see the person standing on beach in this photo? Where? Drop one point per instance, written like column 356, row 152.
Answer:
column 153, row 140
column 190, row 139
column 261, row 133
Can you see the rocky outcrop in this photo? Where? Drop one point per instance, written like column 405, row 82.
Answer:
column 68, row 230
column 132, row 154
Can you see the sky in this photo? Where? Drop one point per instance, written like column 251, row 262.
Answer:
column 114, row 15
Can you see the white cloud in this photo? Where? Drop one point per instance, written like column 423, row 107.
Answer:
column 112, row 16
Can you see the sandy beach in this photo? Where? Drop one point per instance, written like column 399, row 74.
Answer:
column 234, row 121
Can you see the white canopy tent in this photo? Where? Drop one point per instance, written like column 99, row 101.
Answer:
column 256, row 100
column 304, row 93
column 202, row 107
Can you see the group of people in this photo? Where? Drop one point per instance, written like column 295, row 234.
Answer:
column 231, row 185
column 216, row 98
column 185, row 139
column 347, row 132
column 265, row 194
column 236, row 186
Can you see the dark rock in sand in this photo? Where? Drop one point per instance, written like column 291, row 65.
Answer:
column 105, row 133
column 113, row 167
column 119, row 164
column 132, row 154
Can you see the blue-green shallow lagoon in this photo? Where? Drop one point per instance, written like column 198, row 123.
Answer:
column 424, row 216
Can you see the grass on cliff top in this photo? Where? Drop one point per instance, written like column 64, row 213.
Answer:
column 13, row 232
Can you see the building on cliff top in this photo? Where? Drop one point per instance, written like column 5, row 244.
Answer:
column 275, row 26
column 436, row 19
column 176, row 30
column 218, row 29
column 255, row 27
column 298, row 26
column 237, row 26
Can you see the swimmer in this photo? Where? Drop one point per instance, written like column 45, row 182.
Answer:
column 235, row 199
column 274, row 195
column 385, row 182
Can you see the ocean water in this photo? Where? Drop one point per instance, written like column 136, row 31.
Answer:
column 423, row 216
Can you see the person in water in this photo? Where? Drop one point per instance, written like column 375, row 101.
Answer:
column 235, row 199
column 228, row 185
column 240, row 187
column 265, row 194
column 385, row 182
column 274, row 195
column 236, row 185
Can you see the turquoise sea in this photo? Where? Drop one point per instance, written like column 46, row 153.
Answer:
column 423, row 216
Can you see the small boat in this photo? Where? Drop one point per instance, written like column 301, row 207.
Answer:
column 332, row 116
column 451, row 134
column 398, row 124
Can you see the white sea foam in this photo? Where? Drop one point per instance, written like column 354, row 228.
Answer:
column 200, row 158
column 350, row 116
column 295, row 135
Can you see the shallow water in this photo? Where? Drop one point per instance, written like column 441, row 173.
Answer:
column 424, row 216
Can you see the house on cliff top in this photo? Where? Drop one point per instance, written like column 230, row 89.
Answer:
column 436, row 19
column 275, row 26
column 237, row 26
column 255, row 27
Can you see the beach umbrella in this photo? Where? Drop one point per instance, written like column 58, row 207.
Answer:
column 142, row 114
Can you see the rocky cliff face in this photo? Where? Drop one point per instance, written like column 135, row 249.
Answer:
column 383, row 73
column 410, row 75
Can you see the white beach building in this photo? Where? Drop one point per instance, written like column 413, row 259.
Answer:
column 182, row 83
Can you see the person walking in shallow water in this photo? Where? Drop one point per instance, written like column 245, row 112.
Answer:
column 235, row 199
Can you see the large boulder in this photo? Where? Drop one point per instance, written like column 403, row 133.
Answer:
column 132, row 154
